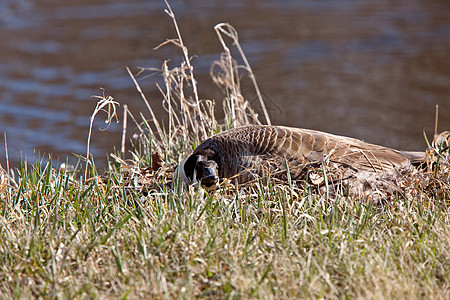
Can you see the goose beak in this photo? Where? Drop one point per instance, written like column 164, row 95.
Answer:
column 207, row 174
column 210, row 183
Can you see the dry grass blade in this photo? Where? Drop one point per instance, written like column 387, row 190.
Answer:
column 6, row 174
column 6, row 152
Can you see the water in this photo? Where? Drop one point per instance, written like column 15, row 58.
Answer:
column 372, row 69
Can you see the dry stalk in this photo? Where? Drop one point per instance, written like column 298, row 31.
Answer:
column 124, row 130
column 168, row 97
column 188, row 64
column 154, row 120
column 6, row 153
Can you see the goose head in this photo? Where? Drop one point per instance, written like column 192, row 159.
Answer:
column 207, row 174
column 200, row 167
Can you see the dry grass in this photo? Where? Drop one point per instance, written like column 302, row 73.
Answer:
column 133, row 233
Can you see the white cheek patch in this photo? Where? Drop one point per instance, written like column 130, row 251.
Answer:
column 181, row 175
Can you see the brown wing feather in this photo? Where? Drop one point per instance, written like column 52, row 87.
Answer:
column 320, row 146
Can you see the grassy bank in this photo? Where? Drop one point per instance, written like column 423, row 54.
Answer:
column 134, row 233
column 59, row 238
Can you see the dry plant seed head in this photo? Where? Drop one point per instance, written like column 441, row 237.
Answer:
column 107, row 105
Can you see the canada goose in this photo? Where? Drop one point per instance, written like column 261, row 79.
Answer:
column 254, row 151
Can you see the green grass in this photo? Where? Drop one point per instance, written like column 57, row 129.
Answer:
column 65, row 240
column 133, row 233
